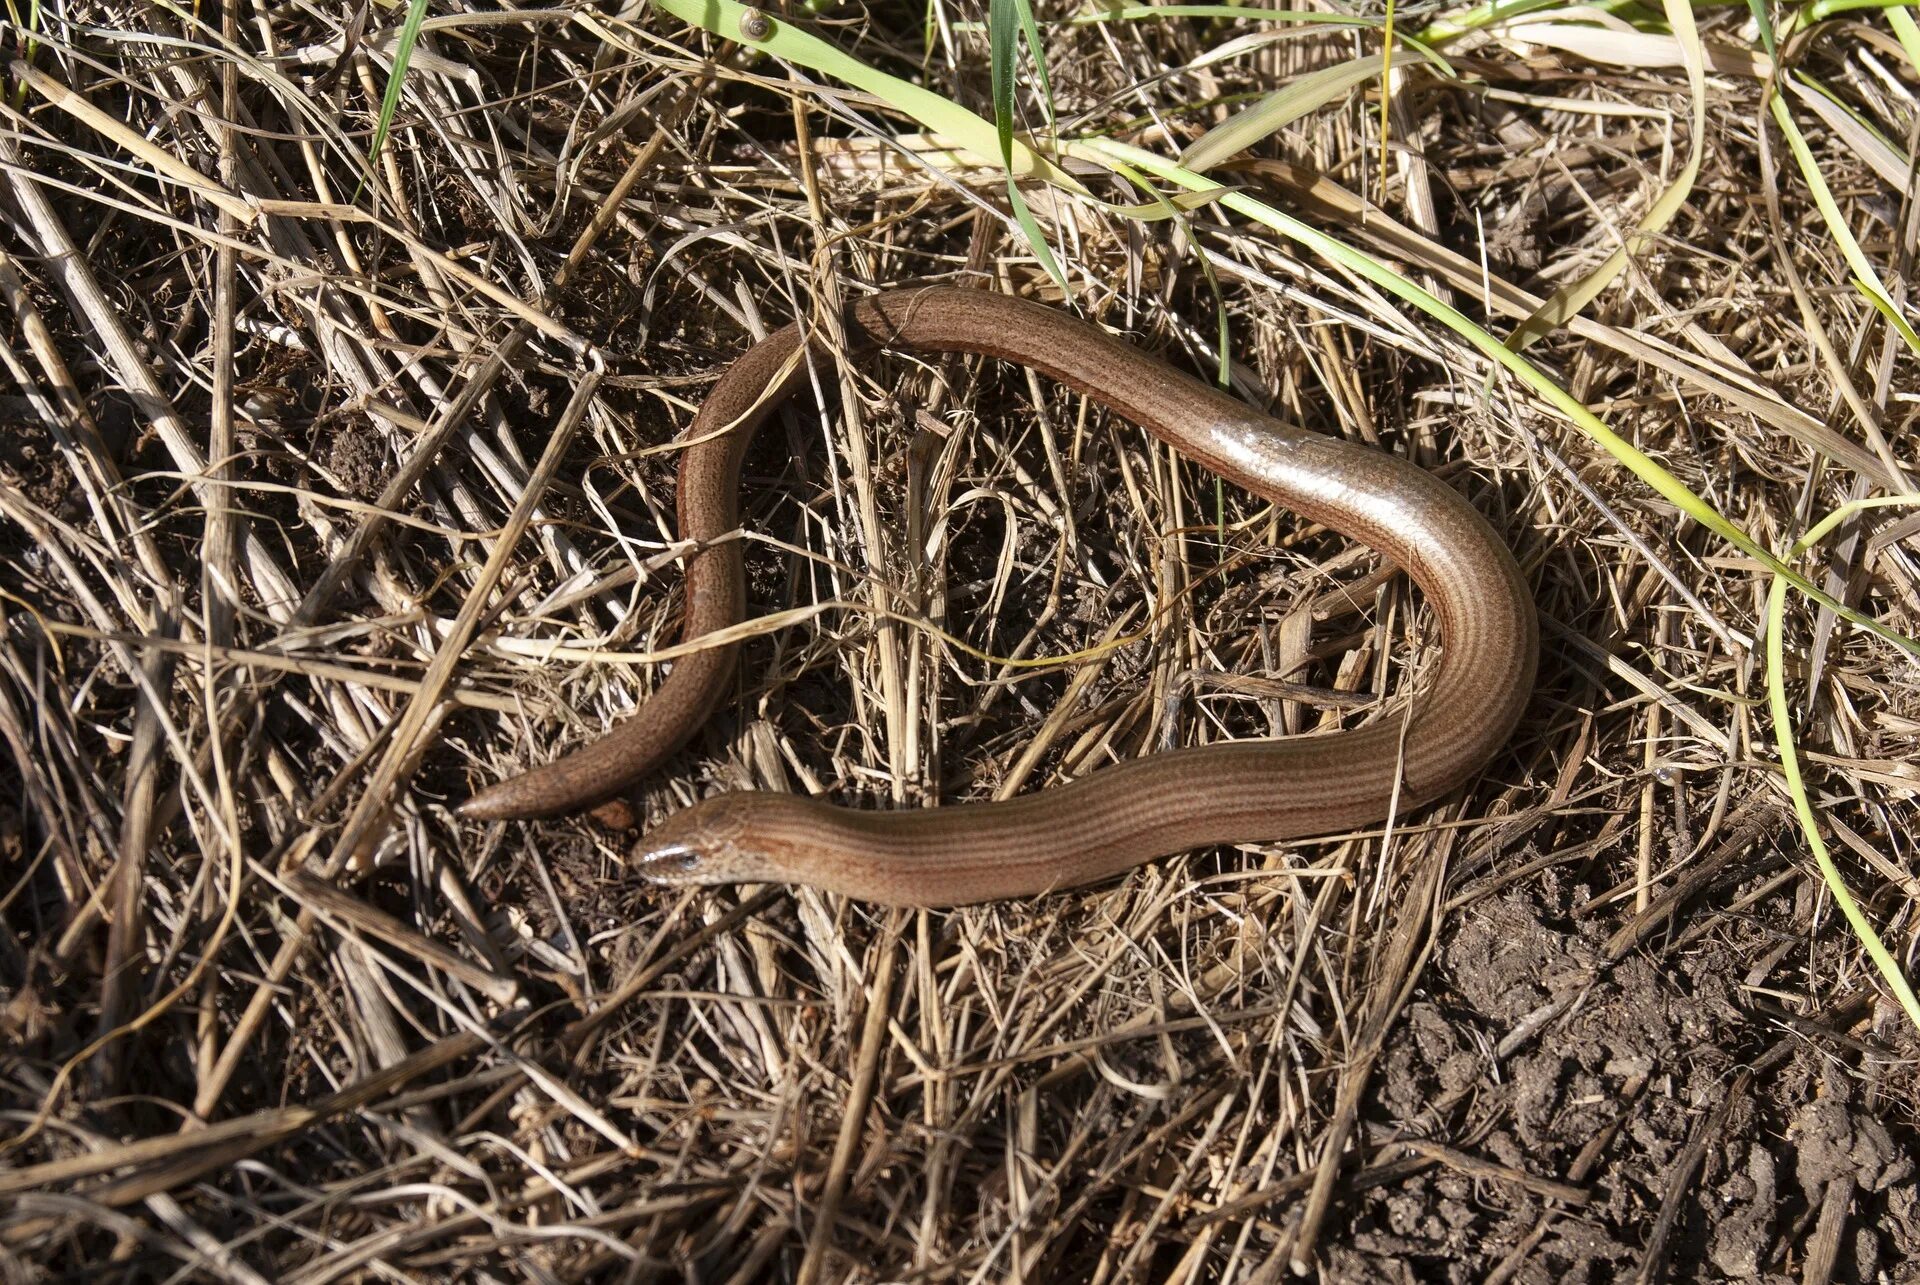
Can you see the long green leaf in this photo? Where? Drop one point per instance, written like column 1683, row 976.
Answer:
column 1907, row 32
column 29, row 46
column 1005, row 20
column 1784, row 739
column 1638, row 462
column 1865, row 277
column 1571, row 299
column 1024, row 8
column 397, row 78
column 1486, row 15
column 948, row 117
column 1868, row 142
column 1762, row 20
column 1276, row 111
column 943, row 116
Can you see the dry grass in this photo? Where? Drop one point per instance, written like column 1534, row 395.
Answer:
column 332, row 491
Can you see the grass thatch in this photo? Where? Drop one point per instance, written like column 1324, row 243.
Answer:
column 336, row 481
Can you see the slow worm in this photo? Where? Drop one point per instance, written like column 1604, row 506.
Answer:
column 1118, row 817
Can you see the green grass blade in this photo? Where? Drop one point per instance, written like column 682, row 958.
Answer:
column 937, row 113
column 940, row 115
column 1885, row 157
column 1785, row 739
column 1764, row 21
column 29, row 46
column 1232, row 12
column 1276, row 111
column 1821, row 10
column 1386, row 94
column 1031, row 33
column 397, row 78
column 1005, row 21
column 1865, row 277
column 1907, row 32
column 1626, row 453
column 1803, row 807
column 1571, row 299
column 1487, row 15
column 1236, row 12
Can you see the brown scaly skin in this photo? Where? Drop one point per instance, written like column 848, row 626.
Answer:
column 1116, row 818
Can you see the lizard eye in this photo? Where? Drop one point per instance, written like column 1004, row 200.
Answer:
column 669, row 862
